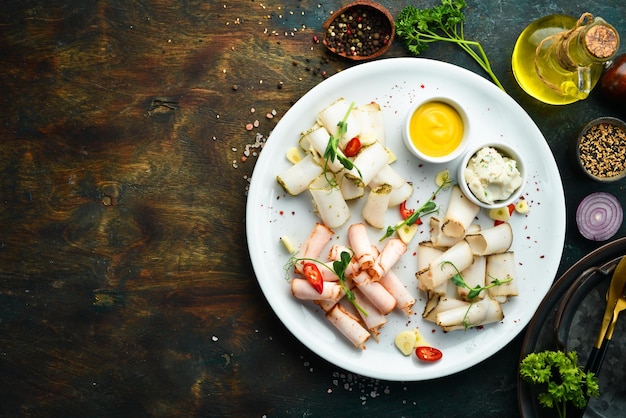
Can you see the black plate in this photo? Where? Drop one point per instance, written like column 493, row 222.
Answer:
column 579, row 322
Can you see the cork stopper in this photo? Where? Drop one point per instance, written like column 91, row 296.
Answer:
column 601, row 41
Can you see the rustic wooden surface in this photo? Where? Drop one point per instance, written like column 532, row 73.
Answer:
column 125, row 283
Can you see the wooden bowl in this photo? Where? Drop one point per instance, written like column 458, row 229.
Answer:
column 348, row 34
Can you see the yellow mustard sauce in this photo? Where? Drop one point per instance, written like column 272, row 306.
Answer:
column 436, row 129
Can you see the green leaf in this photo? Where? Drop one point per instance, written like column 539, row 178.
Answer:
column 419, row 27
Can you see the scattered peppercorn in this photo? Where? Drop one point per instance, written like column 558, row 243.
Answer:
column 363, row 31
column 602, row 150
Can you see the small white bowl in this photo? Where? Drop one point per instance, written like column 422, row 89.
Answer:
column 456, row 152
column 504, row 150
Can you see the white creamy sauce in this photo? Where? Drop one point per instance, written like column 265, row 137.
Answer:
column 492, row 176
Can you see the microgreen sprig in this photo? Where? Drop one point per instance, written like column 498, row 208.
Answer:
column 473, row 293
column 459, row 281
column 339, row 268
column 331, row 153
column 427, row 208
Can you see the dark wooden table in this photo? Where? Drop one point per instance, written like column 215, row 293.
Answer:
column 125, row 283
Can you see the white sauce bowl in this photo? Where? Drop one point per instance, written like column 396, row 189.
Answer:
column 506, row 151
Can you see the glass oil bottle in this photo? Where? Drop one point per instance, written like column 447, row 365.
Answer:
column 558, row 59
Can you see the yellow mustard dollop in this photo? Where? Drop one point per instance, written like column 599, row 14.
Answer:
column 436, row 129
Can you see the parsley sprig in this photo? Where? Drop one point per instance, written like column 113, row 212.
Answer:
column 427, row 208
column 419, row 27
column 331, row 153
column 563, row 380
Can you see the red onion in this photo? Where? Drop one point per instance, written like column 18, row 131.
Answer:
column 599, row 216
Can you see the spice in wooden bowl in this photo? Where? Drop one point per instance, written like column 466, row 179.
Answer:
column 601, row 149
column 359, row 31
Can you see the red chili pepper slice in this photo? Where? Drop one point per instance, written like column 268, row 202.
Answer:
column 404, row 212
column 426, row 353
column 511, row 208
column 313, row 275
column 352, row 147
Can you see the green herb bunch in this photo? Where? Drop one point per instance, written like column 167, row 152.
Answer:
column 562, row 379
column 419, row 27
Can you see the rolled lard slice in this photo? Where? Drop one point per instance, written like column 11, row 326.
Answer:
column 502, row 266
column 299, row 176
column 401, row 190
column 327, row 305
column 372, row 318
column 362, row 278
column 348, row 325
column 404, row 299
column 378, row 295
column 393, row 250
column 387, row 175
column 439, row 239
column 361, row 245
column 459, row 215
column 334, row 254
column 400, row 194
column 480, row 313
column 426, row 252
column 494, row 240
column 440, row 269
column 303, row 290
column 474, row 276
column 370, row 120
column 369, row 161
column 349, row 189
column 303, row 141
column 318, row 139
column 447, row 289
column 327, row 271
column 437, row 304
column 329, row 202
column 376, row 205
column 319, row 236
column 335, row 113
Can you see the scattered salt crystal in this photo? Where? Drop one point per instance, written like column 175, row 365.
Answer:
column 214, row 338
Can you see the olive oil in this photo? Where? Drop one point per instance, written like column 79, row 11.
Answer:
column 558, row 59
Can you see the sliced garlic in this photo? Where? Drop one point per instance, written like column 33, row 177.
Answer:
column 408, row 340
column 500, row 214
column 405, row 341
column 522, row 207
column 442, row 177
column 293, row 155
column 407, row 232
column 288, row 244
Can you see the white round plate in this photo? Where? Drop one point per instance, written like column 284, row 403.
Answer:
column 538, row 236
